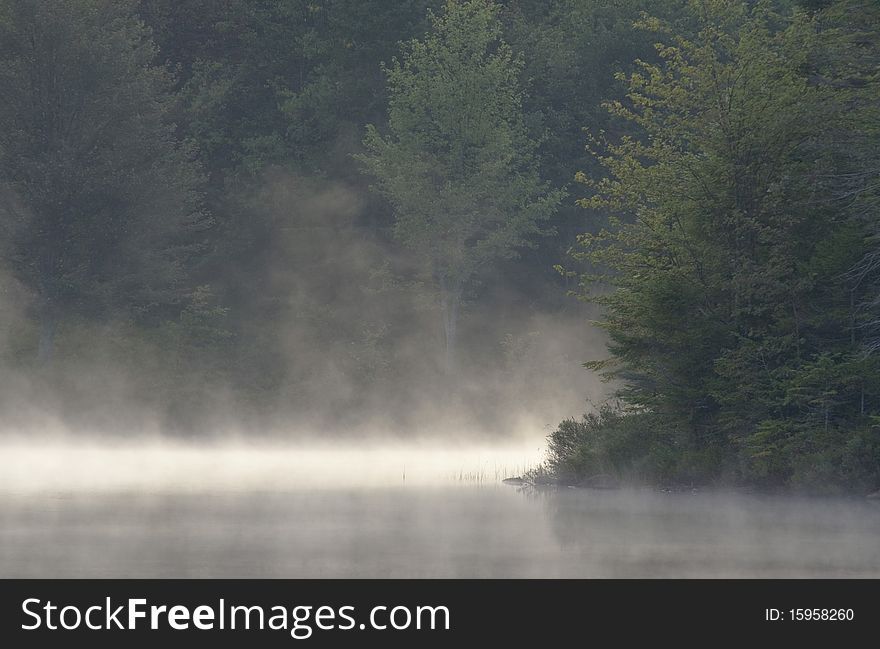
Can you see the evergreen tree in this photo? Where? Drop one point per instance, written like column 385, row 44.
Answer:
column 99, row 200
column 732, row 314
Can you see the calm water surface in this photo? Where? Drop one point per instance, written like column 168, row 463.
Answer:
column 442, row 531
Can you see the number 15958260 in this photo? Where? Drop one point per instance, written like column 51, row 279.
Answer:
column 809, row 614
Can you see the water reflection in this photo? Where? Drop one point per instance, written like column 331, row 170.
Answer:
column 490, row 531
column 654, row 534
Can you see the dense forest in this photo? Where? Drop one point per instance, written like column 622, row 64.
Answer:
column 353, row 213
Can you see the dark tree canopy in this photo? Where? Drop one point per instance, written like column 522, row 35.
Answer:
column 100, row 201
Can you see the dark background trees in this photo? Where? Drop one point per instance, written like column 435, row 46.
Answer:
column 101, row 207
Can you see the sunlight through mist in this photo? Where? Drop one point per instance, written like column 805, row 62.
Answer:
column 177, row 466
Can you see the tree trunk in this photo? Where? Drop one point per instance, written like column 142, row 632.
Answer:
column 46, row 346
column 450, row 301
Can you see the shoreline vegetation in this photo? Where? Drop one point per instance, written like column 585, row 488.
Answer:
column 541, row 478
column 610, row 450
column 737, row 273
column 544, row 483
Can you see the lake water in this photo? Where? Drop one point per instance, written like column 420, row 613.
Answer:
column 155, row 512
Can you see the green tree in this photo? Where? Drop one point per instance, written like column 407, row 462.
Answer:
column 458, row 163
column 99, row 201
column 849, row 61
column 275, row 96
column 732, row 311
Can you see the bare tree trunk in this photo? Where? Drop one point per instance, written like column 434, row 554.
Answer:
column 450, row 301
column 852, row 317
column 46, row 345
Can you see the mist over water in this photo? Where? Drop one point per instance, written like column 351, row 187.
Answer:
column 163, row 467
column 391, row 509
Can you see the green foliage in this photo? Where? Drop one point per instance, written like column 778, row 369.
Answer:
column 99, row 202
column 265, row 84
column 734, row 317
column 636, row 447
column 458, row 163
